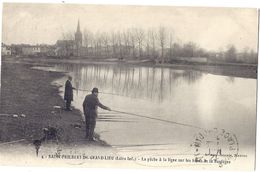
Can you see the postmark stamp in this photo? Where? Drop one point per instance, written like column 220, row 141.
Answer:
column 216, row 146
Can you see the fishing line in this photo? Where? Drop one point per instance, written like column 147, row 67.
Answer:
column 158, row 119
column 133, row 114
column 102, row 92
column 91, row 91
column 15, row 141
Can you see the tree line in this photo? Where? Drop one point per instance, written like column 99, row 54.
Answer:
column 157, row 44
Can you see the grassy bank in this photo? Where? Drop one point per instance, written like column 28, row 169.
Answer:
column 27, row 106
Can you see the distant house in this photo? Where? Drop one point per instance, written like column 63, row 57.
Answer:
column 28, row 50
column 38, row 50
column 6, row 50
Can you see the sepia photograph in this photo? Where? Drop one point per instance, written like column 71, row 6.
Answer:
column 128, row 86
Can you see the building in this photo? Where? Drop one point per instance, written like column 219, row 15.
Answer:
column 17, row 49
column 6, row 50
column 31, row 50
column 47, row 50
column 27, row 50
column 68, row 48
column 34, row 50
column 64, row 48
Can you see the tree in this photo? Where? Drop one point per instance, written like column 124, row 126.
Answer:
column 126, row 40
column 162, row 39
column 231, row 54
column 148, row 42
column 97, row 44
column 105, row 43
column 132, row 40
column 177, row 50
column 114, row 43
column 253, row 57
column 87, row 38
column 200, row 52
column 119, row 41
column 170, row 44
column 153, row 36
column 139, row 37
column 189, row 49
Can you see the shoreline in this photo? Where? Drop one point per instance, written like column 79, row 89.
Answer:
column 229, row 69
column 29, row 94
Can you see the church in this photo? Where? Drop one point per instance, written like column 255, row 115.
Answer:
column 78, row 40
column 74, row 48
column 67, row 48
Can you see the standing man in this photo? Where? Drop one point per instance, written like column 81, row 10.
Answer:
column 90, row 105
column 68, row 95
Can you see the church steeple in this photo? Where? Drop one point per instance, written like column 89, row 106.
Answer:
column 78, row 39
column 78, row 35
column 78, row 27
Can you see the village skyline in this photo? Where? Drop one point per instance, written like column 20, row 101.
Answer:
column 197, row 25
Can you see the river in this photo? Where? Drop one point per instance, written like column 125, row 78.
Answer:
column 183, row 96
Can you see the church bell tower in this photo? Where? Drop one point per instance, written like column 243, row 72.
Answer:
column 78, row 39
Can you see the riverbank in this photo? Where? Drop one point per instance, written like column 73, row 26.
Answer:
column 225, row 69
column 243, row 71
column 30, row 103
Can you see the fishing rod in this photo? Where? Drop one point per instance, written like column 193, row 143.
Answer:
column 98, row 92
column 158, row 119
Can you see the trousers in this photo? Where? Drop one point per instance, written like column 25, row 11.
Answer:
column 90, row 127
column 68, row 103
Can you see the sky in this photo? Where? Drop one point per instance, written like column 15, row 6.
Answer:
column 211, row 28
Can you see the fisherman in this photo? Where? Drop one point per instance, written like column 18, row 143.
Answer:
column 90, row 105
column 68, row 94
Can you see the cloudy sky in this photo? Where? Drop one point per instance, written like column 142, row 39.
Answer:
column 211, row 28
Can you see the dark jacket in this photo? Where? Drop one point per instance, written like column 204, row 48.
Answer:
column 90, row 105
column 68, row 95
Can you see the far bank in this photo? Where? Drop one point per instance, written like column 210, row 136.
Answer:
column 243, row 70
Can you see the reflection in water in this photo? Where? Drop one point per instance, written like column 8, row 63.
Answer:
column 156, row 84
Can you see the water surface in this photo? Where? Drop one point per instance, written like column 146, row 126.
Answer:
column 189, row 97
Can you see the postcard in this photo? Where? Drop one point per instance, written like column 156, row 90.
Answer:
column 128, row 86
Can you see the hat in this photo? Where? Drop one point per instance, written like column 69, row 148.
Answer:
column 95, row 90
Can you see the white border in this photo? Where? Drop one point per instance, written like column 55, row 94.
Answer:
column 195, row 3
column 204, row 3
